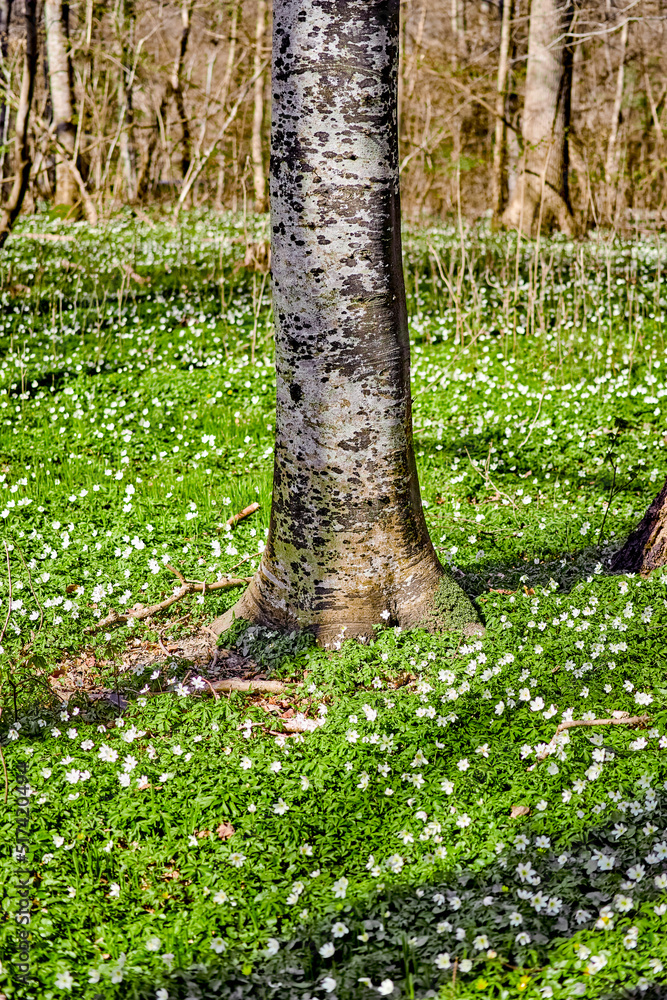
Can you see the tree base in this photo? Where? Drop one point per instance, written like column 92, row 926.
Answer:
column 448, row 609
column 533, row 211
column 646, row 547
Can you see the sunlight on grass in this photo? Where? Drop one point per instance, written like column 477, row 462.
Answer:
column 197, row 848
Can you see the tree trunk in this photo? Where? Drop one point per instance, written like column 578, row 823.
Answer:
column 231, row 52
column 541, row 197
column 348, row 543
column 125, row 30
column 177, row 88
column 14, row 202
column 500, row 144
column 224, row 92
column 456, row 30
column 646, row 547
column 259, row 179
column 146, row 160
column 57, row 43
column 5, row 19
column 611, row 171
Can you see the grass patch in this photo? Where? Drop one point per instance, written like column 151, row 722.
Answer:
column 198, row 848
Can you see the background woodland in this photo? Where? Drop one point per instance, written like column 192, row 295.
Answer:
column 169, row 103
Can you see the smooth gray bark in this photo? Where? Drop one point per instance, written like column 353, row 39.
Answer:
column 347, row 538
column 14, row 202
column 540, row 199
column 57, row 44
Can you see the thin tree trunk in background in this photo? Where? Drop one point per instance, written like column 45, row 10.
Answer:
column 125, row 30
column 541, row 195
column 654, row 114
column 412, row 67
column 500, row 144
column 456, row 30
column 89, row 25
column 177, row 87
column 146, row 159
column 231, row 51
column 611, row 170
column 56, row 16
column 173, row 89
column 259, row 179
column 17, row 194
column 226, row 84
column 5, row 19
column 402, row 60
column 348, row 542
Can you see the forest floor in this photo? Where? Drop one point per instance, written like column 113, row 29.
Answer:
column 398, row 820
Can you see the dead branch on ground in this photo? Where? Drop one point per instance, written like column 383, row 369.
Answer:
column 622, row 719
column 114, row 619
column 237, row 684
column 246, row 512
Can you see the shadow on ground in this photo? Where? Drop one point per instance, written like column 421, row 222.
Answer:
column 399, row 934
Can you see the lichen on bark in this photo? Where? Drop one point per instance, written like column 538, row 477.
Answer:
column 348, row 545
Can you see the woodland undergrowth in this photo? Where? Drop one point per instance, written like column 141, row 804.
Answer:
column 426, row 834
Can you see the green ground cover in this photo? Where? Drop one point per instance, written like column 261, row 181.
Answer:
column 188, row 848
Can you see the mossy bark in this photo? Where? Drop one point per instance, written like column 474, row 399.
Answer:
column 348, row 545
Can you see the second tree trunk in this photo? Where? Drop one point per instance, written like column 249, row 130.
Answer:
column 646, row 547
column 541, row 199
column 57, row 43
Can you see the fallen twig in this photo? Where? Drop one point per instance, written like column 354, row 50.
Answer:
column 246, row 512
column 4, row 766
column 162, row 646
column 487, row 479
column 215, row 694
column 140, row 279
column 9, row 598
column 140, row 214
column 176, row 572
column 236, row 684
column 623, row 719
column 530, row 429
column 51, row 237
column 113, row 619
